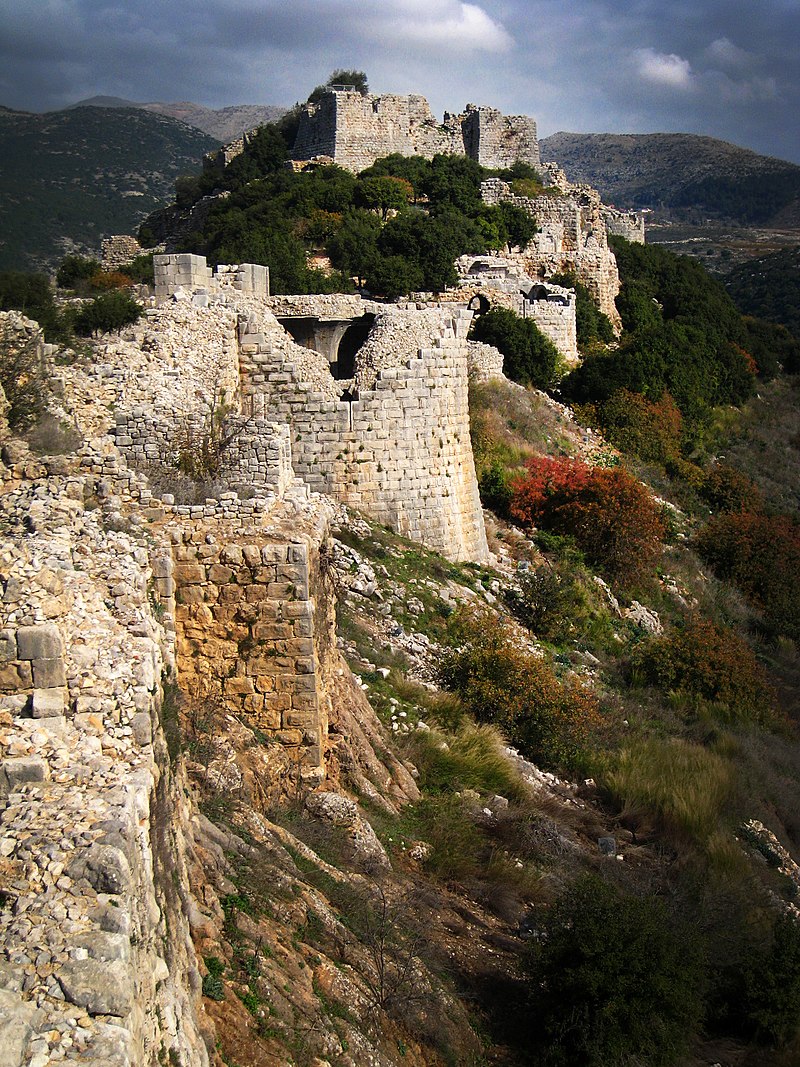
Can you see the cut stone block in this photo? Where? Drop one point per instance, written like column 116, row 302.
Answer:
column 48, row 702
column 39, row 642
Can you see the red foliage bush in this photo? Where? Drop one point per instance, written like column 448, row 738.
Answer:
column 113, row 279
column 727, row 489
column 760, row 554
column 609, row 513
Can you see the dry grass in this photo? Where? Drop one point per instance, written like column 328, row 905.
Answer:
column 684, row 786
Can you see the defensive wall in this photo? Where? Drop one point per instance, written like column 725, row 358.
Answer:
column 571, row 237
column 354, row 130
column 178, row 270
column 399, row 450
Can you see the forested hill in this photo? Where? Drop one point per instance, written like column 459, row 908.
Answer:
column 684, row 175
column 70, row 178
column 769, row 288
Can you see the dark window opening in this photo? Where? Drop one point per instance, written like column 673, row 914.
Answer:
column 352, row 339
column 479, row 304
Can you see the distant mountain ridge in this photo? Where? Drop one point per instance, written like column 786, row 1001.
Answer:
column 224, row 124
column 70, row 178
column 686, row 176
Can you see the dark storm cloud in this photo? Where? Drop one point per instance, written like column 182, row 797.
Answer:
column 730, row 69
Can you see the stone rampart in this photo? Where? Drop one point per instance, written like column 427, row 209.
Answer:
column 496, row 141
column 400, row 452
column 97, row 963
column 117, row 251
column 571, row 238
column 484, row 362
column 354, row 130
column 627, row 224
column 254, row 622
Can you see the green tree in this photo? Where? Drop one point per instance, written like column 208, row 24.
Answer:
column 353, row 248
column 530, row 357
column 615, row 980
column 74, row 269
column 355, row 79
column 383, row 194
column 110, row 311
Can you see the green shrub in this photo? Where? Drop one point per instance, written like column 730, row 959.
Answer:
column 110, row 311
column 615, row 980
column 771, row 986
column 651, row 430
column 530, row 358
column 74, row 269
column 21, row 377
column 516, row 691
column 549, row 603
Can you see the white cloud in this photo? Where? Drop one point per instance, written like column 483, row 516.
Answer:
column 437, row 24
column 724, row 53
column 669, row 70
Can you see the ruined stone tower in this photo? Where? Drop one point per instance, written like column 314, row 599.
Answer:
column 355, row 130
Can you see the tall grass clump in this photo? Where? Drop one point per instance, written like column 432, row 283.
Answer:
column 684, row 786
column 470, row 758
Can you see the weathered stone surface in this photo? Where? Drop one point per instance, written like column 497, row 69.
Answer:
column 17, row 1017
column 100, row 988
column 47, row 703
column 105, row 868
column 49, row 673
column 39, row 642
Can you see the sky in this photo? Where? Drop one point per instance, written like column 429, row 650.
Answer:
column 726, row 68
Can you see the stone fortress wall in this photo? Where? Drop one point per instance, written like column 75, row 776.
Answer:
column 355, row 130
column 571, row 236
column 397, row 447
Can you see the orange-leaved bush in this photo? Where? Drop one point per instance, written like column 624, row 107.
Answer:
column 759, row 553
column 713, row 664
column 610, row 514
column 650, row 429
column 501, row 683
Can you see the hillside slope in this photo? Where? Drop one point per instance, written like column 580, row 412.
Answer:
column 769, row 287
column 224, row 124
column 685, row 175
column 70, row 178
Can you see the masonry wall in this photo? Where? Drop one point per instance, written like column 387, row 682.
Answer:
column 571, row 238
column 355, row 130
column 182, row 270
column 401, row 452
column 627, row 224
column 254, row 629
column 496, row 141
